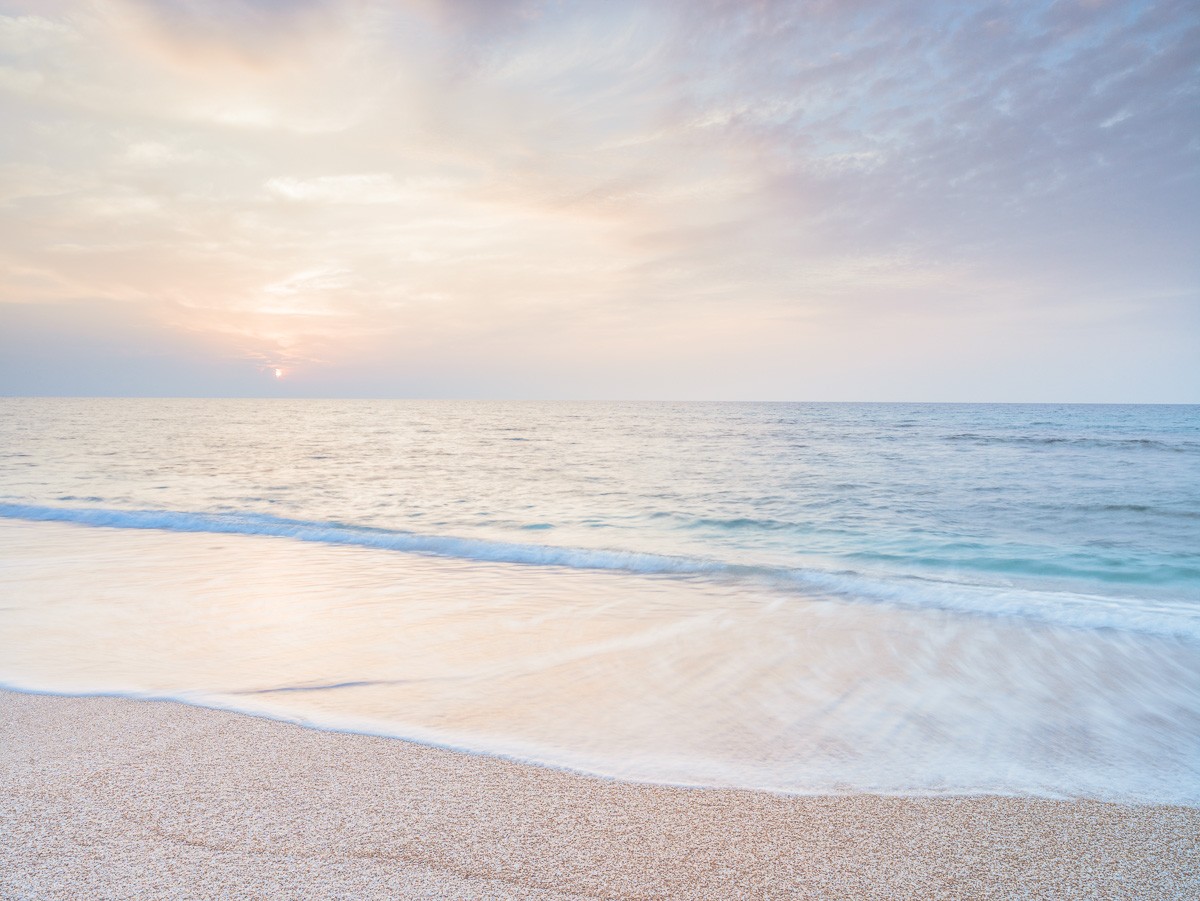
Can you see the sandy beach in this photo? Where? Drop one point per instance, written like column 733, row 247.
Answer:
column 118, row 798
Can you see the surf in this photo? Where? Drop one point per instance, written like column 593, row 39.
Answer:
column 1077, row 610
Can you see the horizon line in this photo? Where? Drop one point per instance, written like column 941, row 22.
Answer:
column 594, row 400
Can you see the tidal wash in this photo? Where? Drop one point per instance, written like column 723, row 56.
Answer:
column 798, row 597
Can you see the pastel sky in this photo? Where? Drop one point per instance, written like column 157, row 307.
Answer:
column 715, row 199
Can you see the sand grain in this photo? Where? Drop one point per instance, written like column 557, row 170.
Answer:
column 116, row 798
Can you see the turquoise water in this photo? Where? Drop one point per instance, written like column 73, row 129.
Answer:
column 1062, row 540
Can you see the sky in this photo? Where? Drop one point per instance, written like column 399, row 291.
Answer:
column 714, row 199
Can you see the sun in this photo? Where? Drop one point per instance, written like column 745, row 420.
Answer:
column 278, row 373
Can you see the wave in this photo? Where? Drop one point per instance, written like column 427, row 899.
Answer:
column 1163, row 618
column 1183, row 446
column 367, row 537
column 1136, row 508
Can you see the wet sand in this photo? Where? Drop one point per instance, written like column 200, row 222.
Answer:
column 117, row 798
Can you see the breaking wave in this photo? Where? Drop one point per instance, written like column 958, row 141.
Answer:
column 1078, row 610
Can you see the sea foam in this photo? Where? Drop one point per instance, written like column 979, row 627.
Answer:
column 1085, row 611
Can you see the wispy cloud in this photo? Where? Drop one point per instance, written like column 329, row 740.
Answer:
column 600, row 193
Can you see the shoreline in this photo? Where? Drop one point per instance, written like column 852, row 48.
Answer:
column 110, row 797
column 515, row 757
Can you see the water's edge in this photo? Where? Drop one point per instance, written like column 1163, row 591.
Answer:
column 1075, row 610
column 590, row 773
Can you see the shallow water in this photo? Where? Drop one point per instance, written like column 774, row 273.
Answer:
column 796, row 597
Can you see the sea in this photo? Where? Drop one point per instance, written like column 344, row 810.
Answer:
column 912, row 599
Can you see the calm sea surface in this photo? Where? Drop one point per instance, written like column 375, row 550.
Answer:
column 797, row 597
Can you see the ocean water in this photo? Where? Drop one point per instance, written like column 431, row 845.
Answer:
column 924, row 599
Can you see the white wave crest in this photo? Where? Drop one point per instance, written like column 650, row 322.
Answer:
column 1085, row 611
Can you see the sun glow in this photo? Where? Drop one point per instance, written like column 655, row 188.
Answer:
column 278, row 373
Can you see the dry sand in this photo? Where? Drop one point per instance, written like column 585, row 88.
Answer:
column 134, row 799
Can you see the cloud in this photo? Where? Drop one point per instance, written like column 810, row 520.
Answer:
column 254, row 33
column 309, row 178
column 370, row 188
column 312, row 280
column 26, row 36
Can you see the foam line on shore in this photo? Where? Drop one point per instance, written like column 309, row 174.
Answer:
column 1051, row 607
column 718, row 778
column 109, row 798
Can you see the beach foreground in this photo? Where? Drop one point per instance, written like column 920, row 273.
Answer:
column 118, row 798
